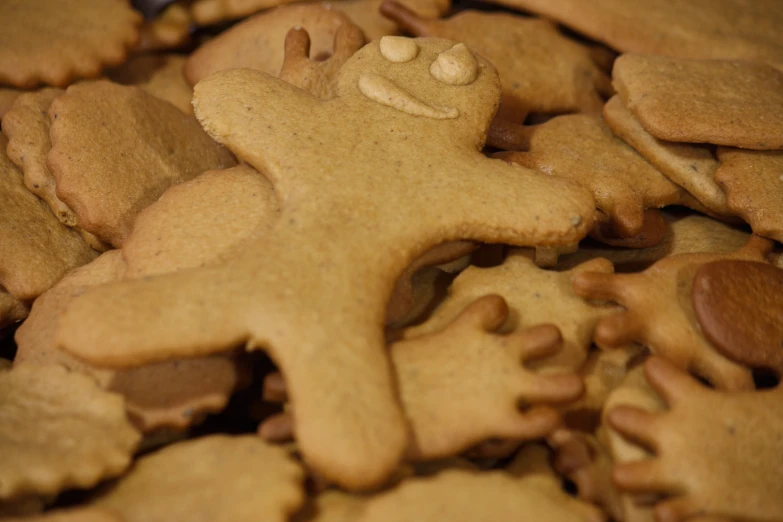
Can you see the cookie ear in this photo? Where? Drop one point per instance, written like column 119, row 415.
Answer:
column 297, row 46
column 348, row 40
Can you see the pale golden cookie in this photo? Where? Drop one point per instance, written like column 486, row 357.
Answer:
column 259, row 42
column 59, row 431
column 583, row 148
column 206, row 12
column 464, row 496
column 202, row 221
column 753, row 181
column 367, row 14
column 55, row 41
column 738, row 104
column 36, row 250
column 637, row 393
column 319, row 77
column 522, row 50
column 191, row 225
column 395, row 160
column 171, row 394
column 217, row 478
column 7, row 98
column 463, row 385
column 116, row 149
column 659, row 314
column 715, row 453
column 161, row 75
column 331, row 505
column 690, row 166
column 534, row 296
column 484, row 370
column 708, row 29
column 27, row 127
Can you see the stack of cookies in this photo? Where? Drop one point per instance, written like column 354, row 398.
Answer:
column 377, row 260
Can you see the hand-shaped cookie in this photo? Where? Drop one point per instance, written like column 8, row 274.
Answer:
column 465, row 384
column 659, row 312
column 367, row 182
column 716, row 453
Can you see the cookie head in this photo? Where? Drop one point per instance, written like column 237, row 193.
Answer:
column 437, row 81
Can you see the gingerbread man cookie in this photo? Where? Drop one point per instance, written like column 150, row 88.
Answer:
column 367, row 181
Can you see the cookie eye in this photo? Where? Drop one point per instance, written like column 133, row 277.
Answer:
column 398, row 49
column 457, row 66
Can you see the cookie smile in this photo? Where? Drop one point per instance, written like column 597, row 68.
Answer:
column 382, row 90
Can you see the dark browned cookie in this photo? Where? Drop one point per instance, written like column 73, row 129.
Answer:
column 739, row 306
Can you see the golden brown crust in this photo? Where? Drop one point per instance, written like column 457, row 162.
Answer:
column 54, row 41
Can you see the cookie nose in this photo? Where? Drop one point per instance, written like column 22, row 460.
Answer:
column 457, row 66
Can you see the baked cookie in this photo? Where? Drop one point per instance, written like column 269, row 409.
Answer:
column 390, row 190
column 738, row 104
column 55, row 41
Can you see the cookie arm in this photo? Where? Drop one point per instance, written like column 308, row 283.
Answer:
column 515, row 205
column 149, row 320
column 255, row 115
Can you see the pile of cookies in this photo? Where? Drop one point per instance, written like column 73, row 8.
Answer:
column 378, row 260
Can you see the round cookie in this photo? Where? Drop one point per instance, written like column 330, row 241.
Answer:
column 739, row 306
column 55, row 41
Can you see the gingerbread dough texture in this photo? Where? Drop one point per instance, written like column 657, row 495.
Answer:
column 55, row 41
column 36, row 250
column 704, row 29
column 131, row 146
column 350, row 174
column 723, row 102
